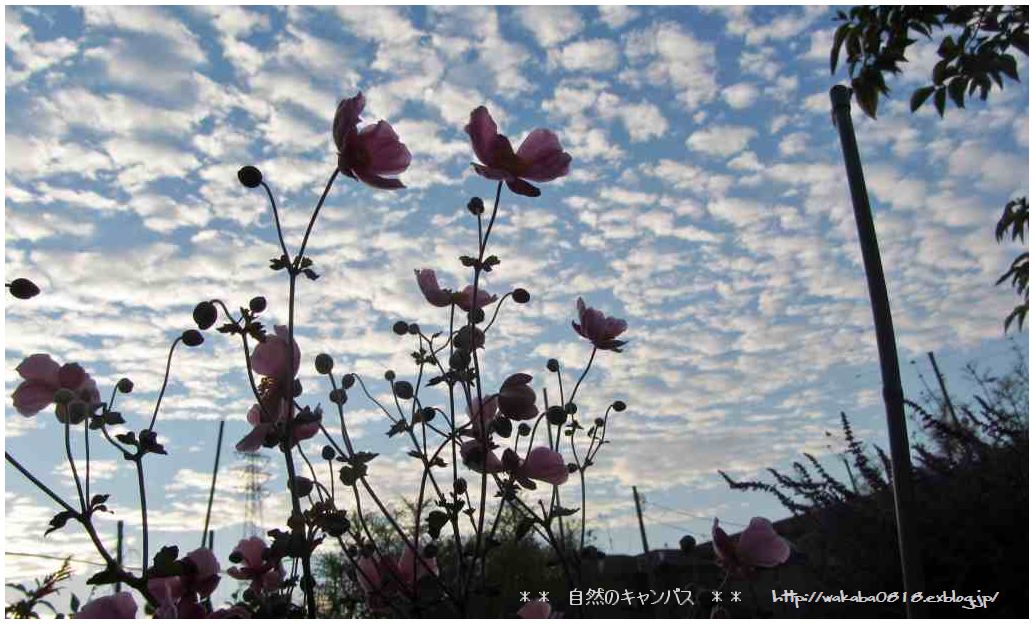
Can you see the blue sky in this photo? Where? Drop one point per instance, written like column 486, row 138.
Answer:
column 706, row 205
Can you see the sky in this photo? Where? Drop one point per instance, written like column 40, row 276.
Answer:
column 706, row 205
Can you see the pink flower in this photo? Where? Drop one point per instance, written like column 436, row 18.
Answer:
column 546, row 465
column 535, row 610
column 475, row 458
column 179, row 596
column 255, row 565
column 120, row 606
column 442, row 297
column 43, row 378
column 381, row 578
column 539, row 158
column 270, row 357
column 601, row 330
column 517, row 399
column 482, row 411
column 371, row 153
column 759, row 546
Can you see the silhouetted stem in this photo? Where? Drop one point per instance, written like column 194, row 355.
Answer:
column 312, row 220
column 165, row 383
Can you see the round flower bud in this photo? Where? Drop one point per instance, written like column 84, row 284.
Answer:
column 250, row 176
column 476, row 206
column 414, row 329
column 205, row 315
column 338, row 396
column 571, row 408
column 556, row 415
column 192, row 338
column 125, row 385
column 460, row 485
column 78, row 411
column 552, row 365
column 459, row 360
column 523, row 429
column 572, row 468
column 328, row 452
column 64, row 396
column 521, row 296
column 22, row 288
column 502, row 425
column 687, row 544
column 302, row 486
column 400, row 327
column 598, row 422
column 476, row 315
column 619, row 406
column 324, row 363
column 403, row 390
column 389, row 375
column 257, row 304
column 297, row 387
column 347, row 381
column 463, row 340
column 428, row 414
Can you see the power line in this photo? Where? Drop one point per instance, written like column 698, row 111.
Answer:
column 694, row 516
column 9, row 553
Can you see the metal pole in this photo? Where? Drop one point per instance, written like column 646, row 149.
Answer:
column 893, row 397
column 944, row 389
column 211, row 490
column 639, row 514
column 118, row 555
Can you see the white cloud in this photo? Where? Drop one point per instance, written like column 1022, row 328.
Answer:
column 740, row 95
column 674, row 57
column 596, row 55
column 616, row 16
column 721, row 140
column 550, row 25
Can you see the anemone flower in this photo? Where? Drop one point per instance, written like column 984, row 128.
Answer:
column 517, row 399
column 758, row 546
column 546, row 465
column 371, row 153
column 535, row 610
column 120, row 606
column 255, row 565
column 599, row 329
column 43, row 377
column 539, row 158
column 477, row 459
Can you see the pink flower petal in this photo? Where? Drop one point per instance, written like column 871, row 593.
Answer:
column 270, row 357
column 253, row 441
column 535, row 610
column 482, row 131
column 378, row 182
column 544, row 464
column 541, row 157
column 435, row 295
column 466, row 298
column 32, row 396
column 387, row 155
column 120, row 606
column 71, row 376
column 347, row 117
column 252, row 550
column 522, row 187
column 39, row 367
column 724, row 548
column 760, row 546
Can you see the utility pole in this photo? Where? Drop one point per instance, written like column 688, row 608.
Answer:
column 893, row 397
column 639, row 514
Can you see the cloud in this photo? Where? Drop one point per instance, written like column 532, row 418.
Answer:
column 550, row 25
column 721, row 140
column 616, row 16
column 596, row 55
column 740, row 95
column 671, row 56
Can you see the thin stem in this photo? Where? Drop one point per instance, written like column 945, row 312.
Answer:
column 86, row 445
column 584, row 373
column 143, row 510
column 312, row 220
column 165, row 383
column 276, row 219
column 215, row 472
column 71, row 462
column 43, row 488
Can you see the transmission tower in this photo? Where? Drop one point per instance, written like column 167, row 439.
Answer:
column 255, row 475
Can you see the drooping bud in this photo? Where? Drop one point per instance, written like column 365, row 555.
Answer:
column 205, row 315
column 414, row 329
column 257, row 304
column 403, row 390
column 249, row 176
column 521, row 296
column 687, row 544
column 523, row 429
column 459, row 360
column 400, row 327
column 328, row 452
column 476, row 206
column 502, row 425
column 22, row 288
column 619, row 406
column 389, row 375
column 347, row 381
column 476, row 315
column 598, row 422
column 556, row 415
column 125, row 385
column 192, row 338
column 571, row 408
column 552, row 365
column 338, row 396
column 302, row 486
column 460, row 485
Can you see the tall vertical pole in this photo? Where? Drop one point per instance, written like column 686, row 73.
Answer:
column 639, row 514
column 893, row 397
column 944, row 389
column 215, row 473
column 118, row 555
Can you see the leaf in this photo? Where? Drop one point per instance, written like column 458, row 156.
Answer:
column 73, row 604
column 399, row 426
column 435, row 521
column 165, row 561
column 920, row 96
column 957, row 91
column 838, row 41
column 59, row 521
column 939, row 100
column 560, row 512
column 523, row 527
column 107, row 576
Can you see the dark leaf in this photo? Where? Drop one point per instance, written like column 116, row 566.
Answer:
column 920, row 96
column 59, row 521
column 435, row 521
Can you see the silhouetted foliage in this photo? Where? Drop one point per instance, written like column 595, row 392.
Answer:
column 25, row 608
column 971, row 487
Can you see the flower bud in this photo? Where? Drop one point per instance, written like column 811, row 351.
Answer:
column 502, row 425
column 297, row 388
column 460, row 485
column 205, row 315
column 347, row 381
column 403, row 390
column 598, row 422
column 302, row 486
column 556, row 415
column 249, row 176
column 552, row 365
column 476, row 206
column 389, row 375
column 459, row 360
column 338, row 396
column 64, row 396
column 125, row 385
column 463, row 339
column 324, row 363
column 22, row 288
column 192, row 338
column 571, row 408
column 523, row 429
column 400, row 327
column 572, row 468
column 687, row 544
column 619, row 406
column 328, row 453
column 257, row 304
column 428, row 414
column 521, row 296
column 414, row 329
column 78, row 411
column 476, row 315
